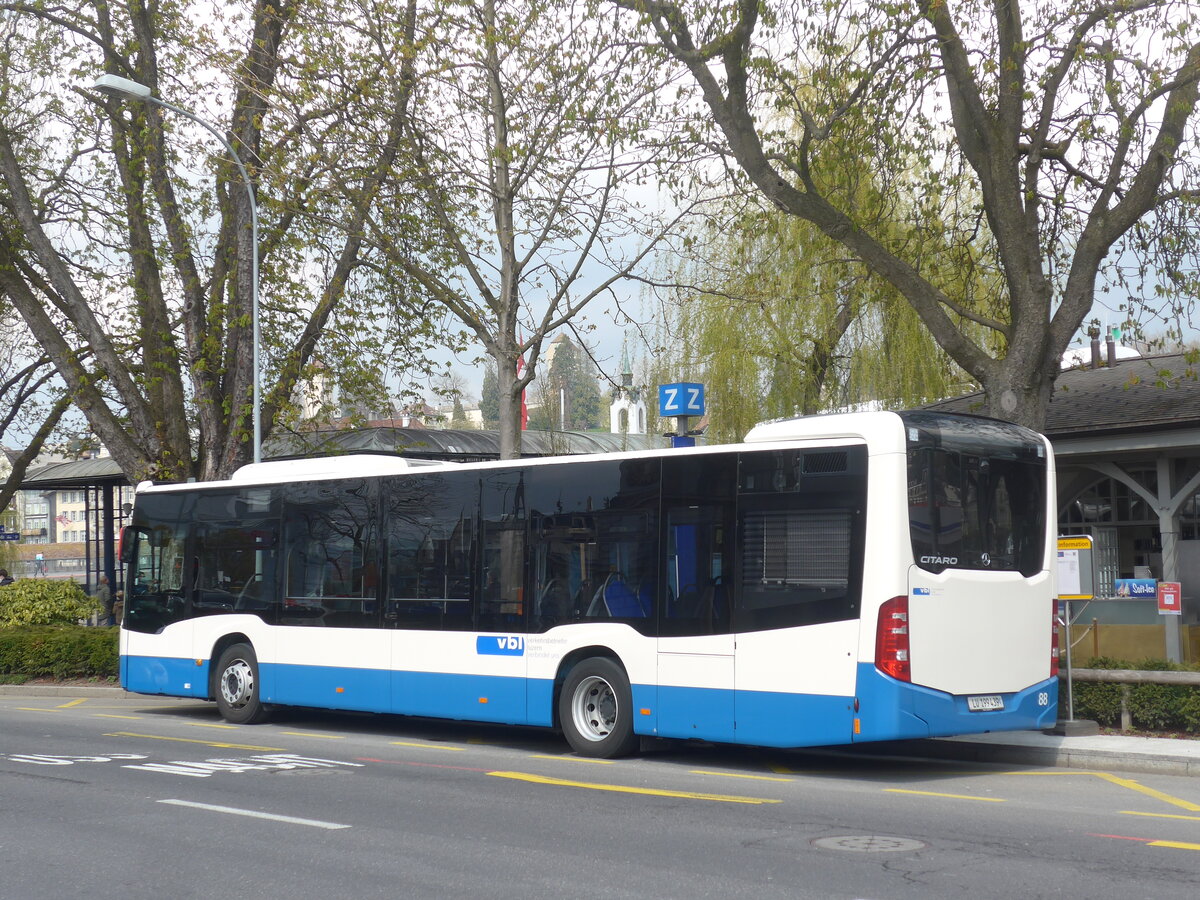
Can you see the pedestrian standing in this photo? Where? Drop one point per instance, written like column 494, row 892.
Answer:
column 104, row 595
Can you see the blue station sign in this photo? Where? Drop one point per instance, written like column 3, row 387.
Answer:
column 683, row 398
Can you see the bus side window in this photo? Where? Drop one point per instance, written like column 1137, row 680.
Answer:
column 800, row 522
column 233, row 569
column 155, row 596
column 331, row 555
column 430, row 529
column 698, row 507
column 502, row 599
column 696, row 601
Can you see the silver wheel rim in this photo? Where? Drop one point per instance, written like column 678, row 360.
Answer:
column 237, row 683
column 594, row 708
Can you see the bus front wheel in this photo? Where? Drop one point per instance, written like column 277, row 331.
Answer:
column 237, row 686
column 595, row 710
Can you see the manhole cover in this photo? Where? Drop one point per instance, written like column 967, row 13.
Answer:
column 868, row 843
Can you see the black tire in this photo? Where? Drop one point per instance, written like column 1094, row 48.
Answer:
column 595, row 710
column 236, row 686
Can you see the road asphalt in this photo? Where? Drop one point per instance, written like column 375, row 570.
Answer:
column 1074, row 749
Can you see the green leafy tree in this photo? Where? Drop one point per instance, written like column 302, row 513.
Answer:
column 572, row 378
column 458, row 416
column 523, row 136
column 489, row 400
column 32, row 407
column 125, row 239
column 1061, row 137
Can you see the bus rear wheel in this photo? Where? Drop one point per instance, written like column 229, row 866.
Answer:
column 237, row 686
column 595, row 710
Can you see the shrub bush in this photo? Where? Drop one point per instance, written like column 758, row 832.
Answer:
column 39, row 601
column 1154, row 707
column 59, row 651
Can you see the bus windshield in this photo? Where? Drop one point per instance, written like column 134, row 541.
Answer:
column 976, row 494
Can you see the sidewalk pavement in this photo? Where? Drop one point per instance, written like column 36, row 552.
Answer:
column 1112, row 752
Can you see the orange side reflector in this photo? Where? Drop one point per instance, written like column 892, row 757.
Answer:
column 483, row 699
column 341, row 690
column 645, row 712
column 199, row 662
column 858, row 726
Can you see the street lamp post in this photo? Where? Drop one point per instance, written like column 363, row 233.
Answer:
column 132, row 90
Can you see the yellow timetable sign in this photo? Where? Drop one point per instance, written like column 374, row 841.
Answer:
column 1075, row 543
column 1075, row 574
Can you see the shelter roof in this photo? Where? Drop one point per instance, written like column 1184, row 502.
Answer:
column 1152, row 393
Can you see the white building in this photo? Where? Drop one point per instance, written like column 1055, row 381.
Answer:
column 627, row 413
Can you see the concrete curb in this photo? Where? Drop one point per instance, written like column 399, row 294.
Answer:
column 1063, row 757
column 67, row 690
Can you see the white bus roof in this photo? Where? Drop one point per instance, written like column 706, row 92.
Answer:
column 884, row 427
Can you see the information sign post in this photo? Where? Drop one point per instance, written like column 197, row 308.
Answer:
column 1076, row 581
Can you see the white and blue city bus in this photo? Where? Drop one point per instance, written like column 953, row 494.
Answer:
column 839, row 578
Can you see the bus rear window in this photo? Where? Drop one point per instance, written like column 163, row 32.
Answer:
column 976, row 500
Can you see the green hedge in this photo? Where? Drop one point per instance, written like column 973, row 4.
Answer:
column 1152, row 707
column 58, row 651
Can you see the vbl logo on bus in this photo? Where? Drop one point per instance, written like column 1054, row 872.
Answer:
column 500, row 645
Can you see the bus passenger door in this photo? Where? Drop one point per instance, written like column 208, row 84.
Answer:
column 695, row 645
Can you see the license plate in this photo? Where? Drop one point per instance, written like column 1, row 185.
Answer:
column 985, row 702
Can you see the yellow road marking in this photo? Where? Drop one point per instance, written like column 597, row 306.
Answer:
column 622, row 789
column 740, row 775
column 1149, row 792
column 579, row 759
column 428, row 746
column 1129, row 812
column 1175, row 845
column 211, row 725
column 112, row 716
column 73, row 703
column 329, row 737
column 950, row 796
column 222, row 744
column 1125, row 783
column 35, row 709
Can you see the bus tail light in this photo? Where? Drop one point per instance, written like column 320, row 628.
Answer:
column 891, row 639
column 1054, row 638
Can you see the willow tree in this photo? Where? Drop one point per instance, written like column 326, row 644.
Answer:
column 125, row 239
column 1072, row 123
column 778, row 322
column 529, row 182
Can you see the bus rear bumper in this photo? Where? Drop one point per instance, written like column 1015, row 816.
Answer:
column 894, row 710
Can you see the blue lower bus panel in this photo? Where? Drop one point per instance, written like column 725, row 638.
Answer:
column 888, row 709
column 895, row 710
column 164, row 675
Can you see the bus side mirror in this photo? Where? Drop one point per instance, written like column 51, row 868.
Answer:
column 125, row 547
